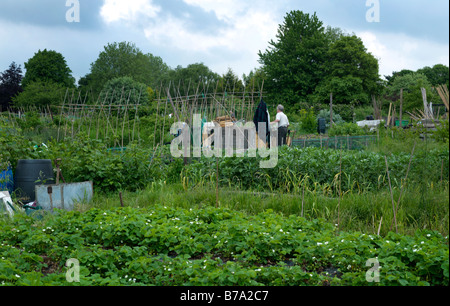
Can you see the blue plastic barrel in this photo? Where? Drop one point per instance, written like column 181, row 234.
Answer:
column 7, row 180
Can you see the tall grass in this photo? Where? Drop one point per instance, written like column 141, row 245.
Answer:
column 358, row 211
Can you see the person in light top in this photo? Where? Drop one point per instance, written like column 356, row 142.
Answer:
column 283, row 125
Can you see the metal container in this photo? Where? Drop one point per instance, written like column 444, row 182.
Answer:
column 63, row 196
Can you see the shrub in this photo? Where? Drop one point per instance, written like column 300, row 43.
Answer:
column 40, row 94
column 442, row 132
column 344, row 129
column 125, row 90
column 308, row 121
column 325, row 114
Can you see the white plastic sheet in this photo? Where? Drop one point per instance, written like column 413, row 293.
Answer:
column 372, row 124
column 6, row 203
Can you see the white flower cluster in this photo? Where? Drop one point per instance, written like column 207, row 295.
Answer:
column 48, row 229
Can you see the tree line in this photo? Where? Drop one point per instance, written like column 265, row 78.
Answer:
column 300, row 69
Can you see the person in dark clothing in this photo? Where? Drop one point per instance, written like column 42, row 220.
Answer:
column 262, row 115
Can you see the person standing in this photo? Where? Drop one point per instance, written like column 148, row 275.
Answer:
column 283, row 125
column 262, row 116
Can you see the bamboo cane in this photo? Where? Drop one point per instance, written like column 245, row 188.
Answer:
column 392, row 195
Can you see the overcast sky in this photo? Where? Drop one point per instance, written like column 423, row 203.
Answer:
column 219, row 33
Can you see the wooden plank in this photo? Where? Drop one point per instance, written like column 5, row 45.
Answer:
column 389, row 116
column 401, row 108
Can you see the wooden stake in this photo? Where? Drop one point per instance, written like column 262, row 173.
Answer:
column 331, row 110
column 173, row 105
column 392, row 195
column 389, row 116
column 340, row 187
column 379, row 227
column 100, row 114
column 157, row 116
column 121, row 200
column 62, row 109
column 217, row 182
column 303, row 197
column 406, row 178
column 401, row 108
column 125, row 118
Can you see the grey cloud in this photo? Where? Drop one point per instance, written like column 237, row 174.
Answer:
column 50, row 13
column 193, row 17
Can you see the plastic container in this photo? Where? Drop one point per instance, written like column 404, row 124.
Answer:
column 321, row 126
column 7, row 180
column 30, row 173
column 405, row 123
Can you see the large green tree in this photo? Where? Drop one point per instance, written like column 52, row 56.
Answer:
column 351, row 73
column 254, row 80
column 230, row 82
column 437, row 75
column 48, row 66
column 10, row 85
column 391, row 78
column 307, row 62
column 189, row 79
column 412, row 84
column 294, row 62
column 124, row 59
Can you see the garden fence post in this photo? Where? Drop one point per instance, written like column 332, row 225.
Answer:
column 392, row 195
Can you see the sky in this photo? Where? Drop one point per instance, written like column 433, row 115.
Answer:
column 222, row 34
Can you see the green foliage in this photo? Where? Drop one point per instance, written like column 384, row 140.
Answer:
column 10, row 85
column 346, row 90
column 366, row 169
column 391, row 78
column 85, row 159
column 124, row 59
column 351, row 73
column 412, row 95
column 254, row 79
column 346, row 129
column 442, row 132
column 192, row 75
column 293, row 63
column 309, row 62
column 230, row 82
column 326, row 114
column 15, row 146
column 308, row 121
column 48, row 67
column 166, row 246
column 40, row 94
column 123, row 91
column 360, row 113
column 437, row 75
